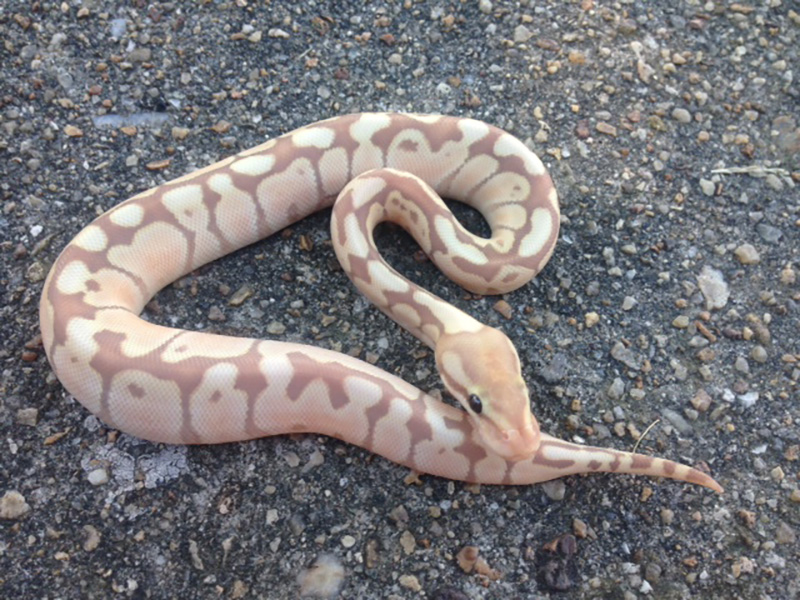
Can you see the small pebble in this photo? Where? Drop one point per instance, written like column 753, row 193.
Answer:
column 759, row 354
column 682, row 115
column 714, row 288
column 616, row 389
column 504, row 308
column 774, row 182
column 323, row 579
column 749, row 399
column 769, row 233
column 652, row 572
column 13, row 505
column 522, row 34
column 408, row 543
column 701, row 401
column 72, row 131
column 240, row 295
column 556, row 369
column 706, row 355
column 580, row 529
column 680, row 322
column 784, row 534
column 180, row 133
column 637, row 394
column 28, row 416
column 292, row 459
column 607, row 129
column 277, row 33
column 741, row 364
column 410, row 582
column 118, row 27
column 591, row 319
column 626, row 356
column 92, row 540
column 747, row 254
column 788, row 275
column 467, row 557
column 98, row 476
column 140, row 55
column 215, row 314
column 708, row 187
column 276, row 328
column 555, row 489
column 677, row 421
column 316, row 459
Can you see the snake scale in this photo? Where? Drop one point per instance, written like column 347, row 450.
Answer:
column 188, row 387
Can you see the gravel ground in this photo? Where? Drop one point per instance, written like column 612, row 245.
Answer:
column 672, row 298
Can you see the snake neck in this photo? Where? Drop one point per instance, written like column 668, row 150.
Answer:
column 353, row 221
column 423, row 314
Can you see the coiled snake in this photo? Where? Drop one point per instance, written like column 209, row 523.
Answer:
column 187, row 387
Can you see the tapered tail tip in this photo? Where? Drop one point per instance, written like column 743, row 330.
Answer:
column 700, row 478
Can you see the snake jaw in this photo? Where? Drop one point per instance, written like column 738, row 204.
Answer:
column 513, row 444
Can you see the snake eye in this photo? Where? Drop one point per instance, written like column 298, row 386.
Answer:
column 475, row 403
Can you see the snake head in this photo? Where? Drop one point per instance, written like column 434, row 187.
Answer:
column 481, row 370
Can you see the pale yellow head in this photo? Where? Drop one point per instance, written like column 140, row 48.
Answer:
column 481, row 370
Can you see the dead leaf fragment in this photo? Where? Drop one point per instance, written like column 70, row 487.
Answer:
column 158, row 165
column 52, row 439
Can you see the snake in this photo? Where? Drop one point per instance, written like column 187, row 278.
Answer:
column 178, row 386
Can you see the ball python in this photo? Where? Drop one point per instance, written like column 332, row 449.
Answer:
column 189, row 387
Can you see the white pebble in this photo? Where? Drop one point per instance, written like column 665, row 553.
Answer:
column 98, row 476
column 714, row 288
column 522, row 34
column 748, row 399
column 323, row 579
column 708, row 187
column 443, row 89
column 682, row 115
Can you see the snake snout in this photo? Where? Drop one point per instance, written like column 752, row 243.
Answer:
column 521, row 443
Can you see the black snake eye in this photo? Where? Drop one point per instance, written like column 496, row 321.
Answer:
column 475, row 403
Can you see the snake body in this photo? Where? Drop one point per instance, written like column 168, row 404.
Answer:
column 187, row 387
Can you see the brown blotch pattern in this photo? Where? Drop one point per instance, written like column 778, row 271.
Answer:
column 93, row 359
